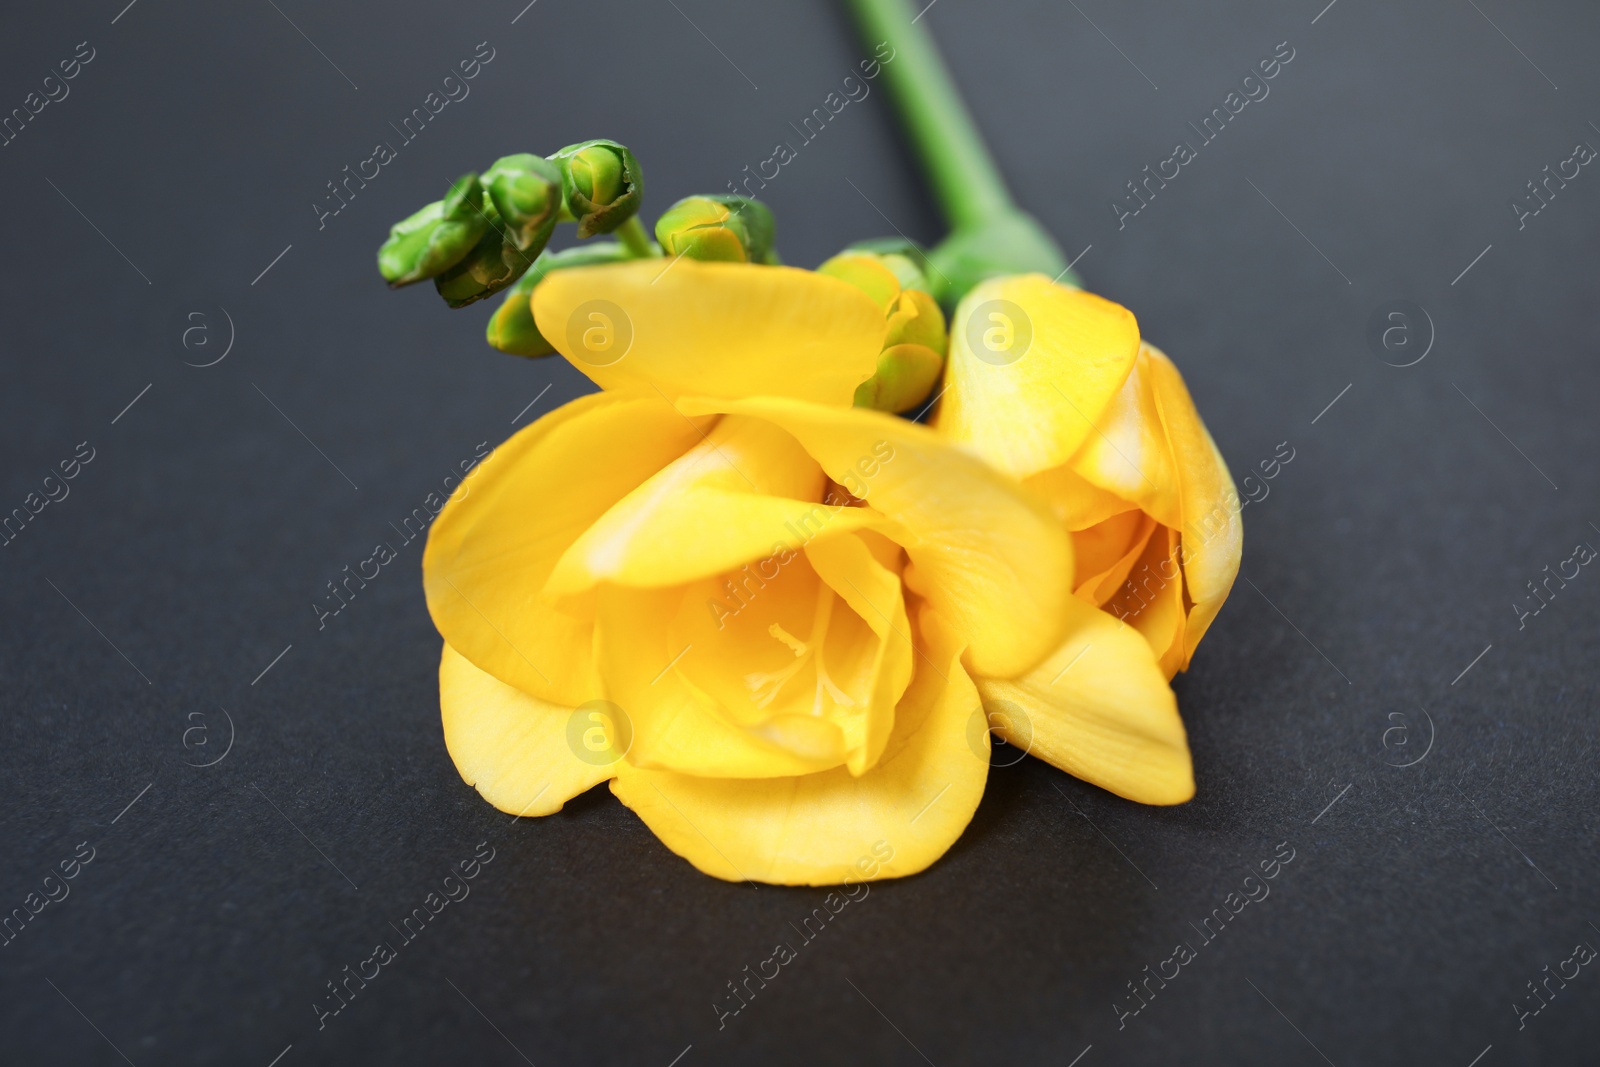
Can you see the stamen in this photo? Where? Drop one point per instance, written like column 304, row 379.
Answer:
column 819, row 636
column 800, row 648
column 765, row 686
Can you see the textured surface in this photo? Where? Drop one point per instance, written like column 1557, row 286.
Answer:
column 1384, row 560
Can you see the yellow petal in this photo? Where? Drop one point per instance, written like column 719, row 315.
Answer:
column 1073, row 500
column 1154, row 605
column 772, row 670
column 512, row 747
column 846, row 562
column 1099, row 709
column 715, row 329
column 649, row 669
column 747, row 491
column 790, row 660
column 992, row 561
column 1107, row 552
column 493, row 545
column 833, row 827
column 1126, row 453
column 1047, row 362
column 1213, row 533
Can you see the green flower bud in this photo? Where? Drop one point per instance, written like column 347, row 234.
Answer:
column 435, row 238
column 493, row 264
column 904, row 257
column 914, row 341
column 916, row 320
column 526, row 192
column 906, row 375
column 734, row 229
column 600, row 183
column 912, row 358
column 1013, row 243
column 512, row 328
column 867, row 272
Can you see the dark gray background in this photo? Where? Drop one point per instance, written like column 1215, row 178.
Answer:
column 1385, row 559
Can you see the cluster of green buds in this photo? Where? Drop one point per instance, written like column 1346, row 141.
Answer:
column 728, row 229
column 894, row 272
column 490, row 231
column 491, row 228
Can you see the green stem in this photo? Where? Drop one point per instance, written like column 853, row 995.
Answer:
column 635, row 240
column 957, row 163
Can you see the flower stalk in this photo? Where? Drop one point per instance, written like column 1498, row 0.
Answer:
column 990, row 235
column 634, row 238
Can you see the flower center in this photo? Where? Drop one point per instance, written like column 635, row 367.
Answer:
column 765, row 686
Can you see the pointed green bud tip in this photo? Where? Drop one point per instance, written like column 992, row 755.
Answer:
column 526, row 192
column 916, row 320
column 435, row 238
column 601, row 185
column 512, row 328
column 733, row 229
column 492, row 265
column 597, row 174
column 1013, row 243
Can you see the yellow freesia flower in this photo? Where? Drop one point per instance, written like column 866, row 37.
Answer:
column 1054, row 386
column 781, row 622
column 758, row 611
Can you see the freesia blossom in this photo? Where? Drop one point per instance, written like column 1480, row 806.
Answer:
column 1054, row 386
column 758, row 611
